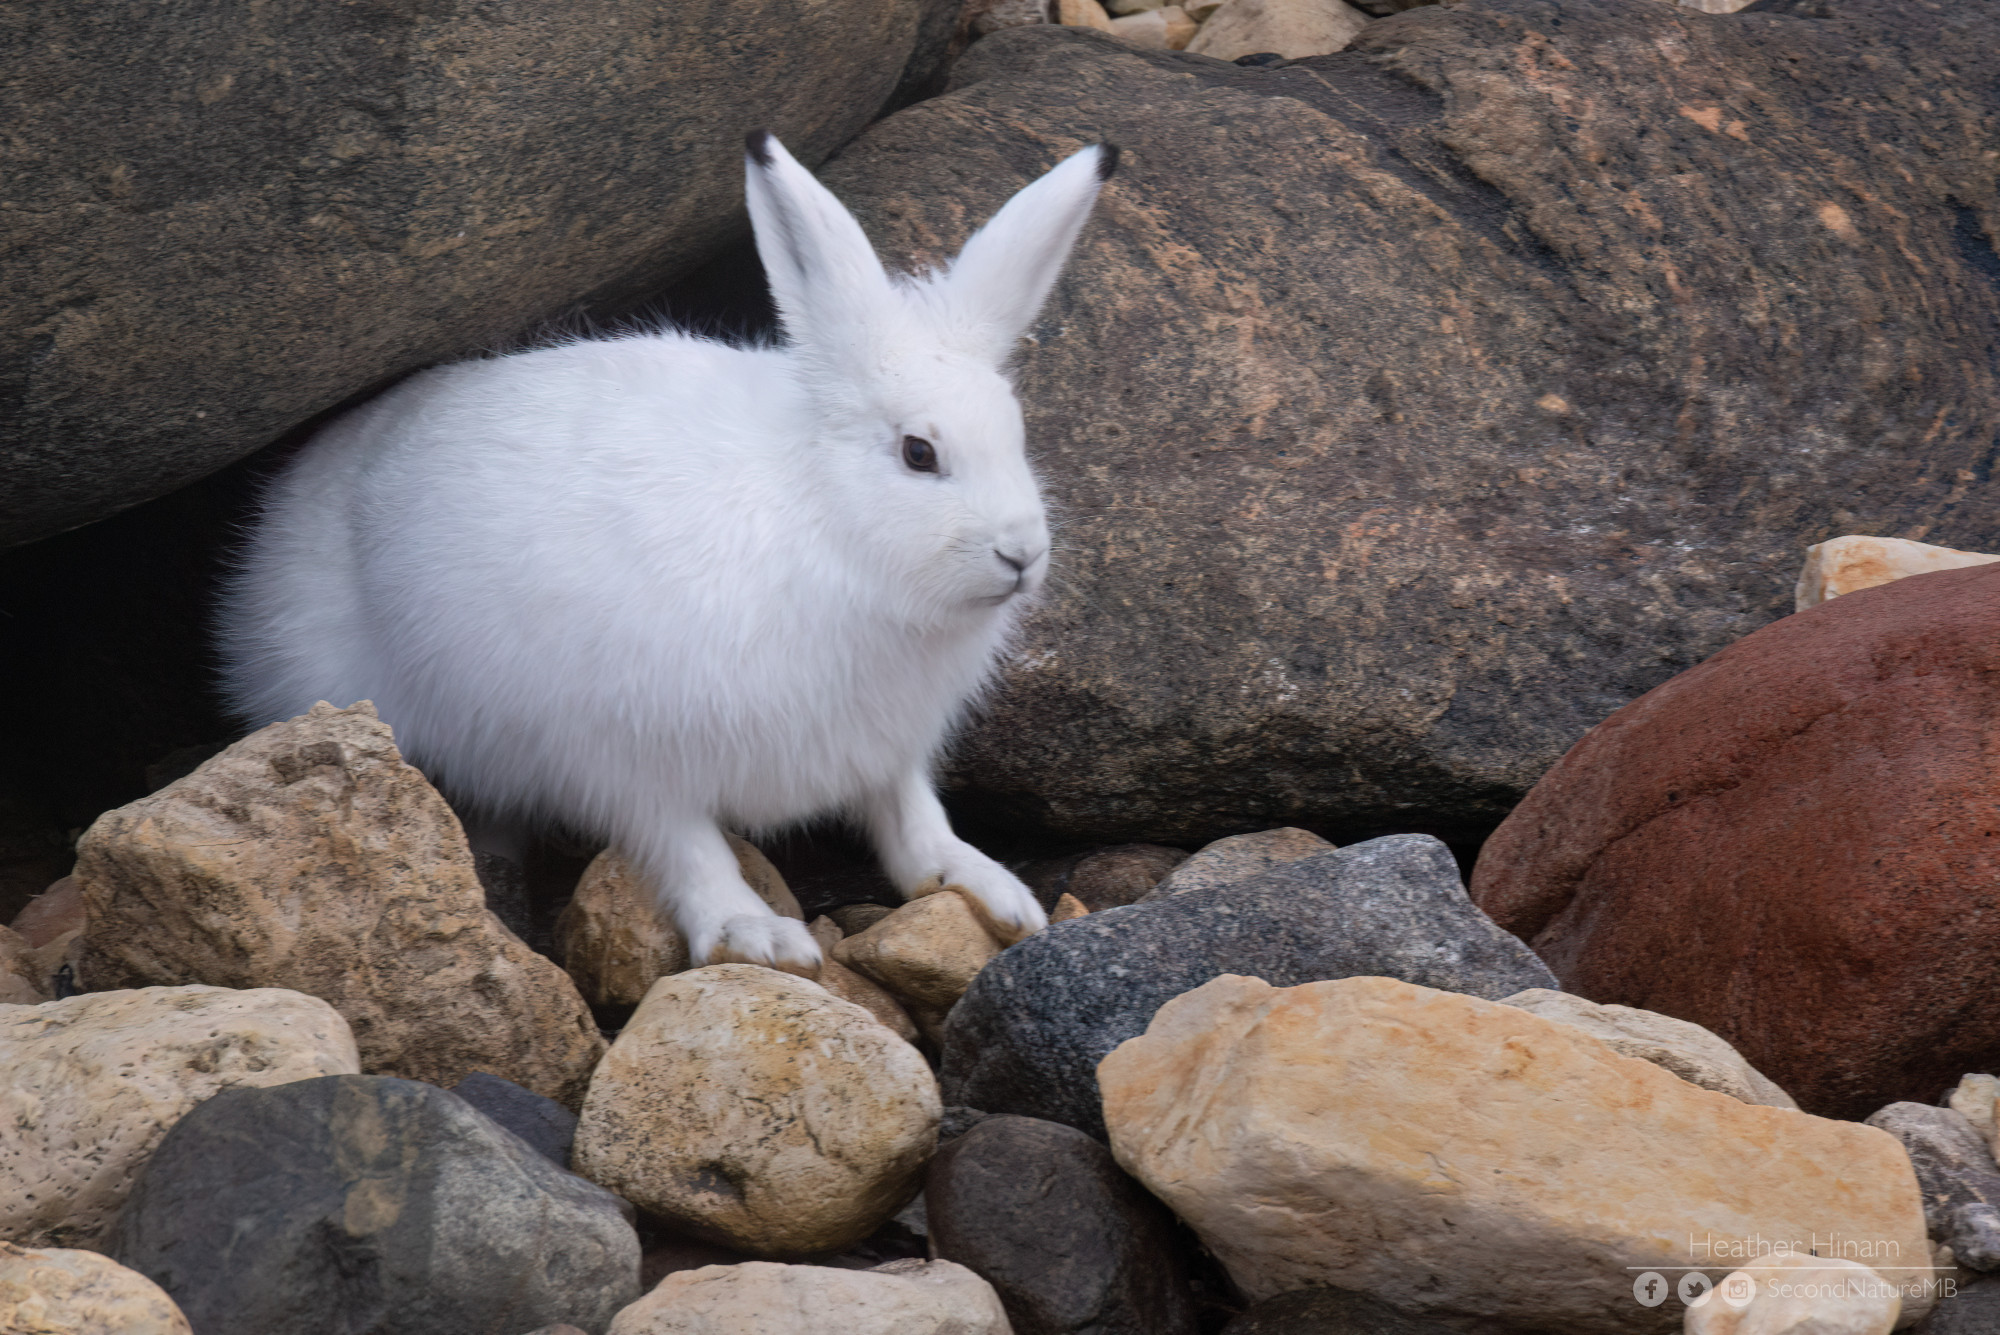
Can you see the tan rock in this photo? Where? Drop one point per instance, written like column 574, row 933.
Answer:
column 1974, row 1099
column 1292, row 28
column 1242, row 856
column 752, row 1109
column 926, row 953
column 1845, row 565
column 21, row 980
column 56, row 912
column 1124, row 874
column 94, row 1081
column 310, row 856
column 1119, row 8
column 615, row 943
column 1797, row 1294
column 863, row 991
column 63, row 1291
column 1714, row 6
column 1200, row 10
column 760, row 1297
column 1067, row 906
column 1167, row 28
column 1691, row 1052
column 1459, row 1157
column 1083, row 14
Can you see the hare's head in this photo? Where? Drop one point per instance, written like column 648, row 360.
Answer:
column 919, row 437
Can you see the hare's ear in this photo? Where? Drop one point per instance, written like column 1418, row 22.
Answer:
column 824, row 275
column 996, row 287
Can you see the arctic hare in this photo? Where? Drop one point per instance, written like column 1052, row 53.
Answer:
column 659, row 586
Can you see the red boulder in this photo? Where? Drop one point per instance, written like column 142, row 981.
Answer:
column 1795, row 844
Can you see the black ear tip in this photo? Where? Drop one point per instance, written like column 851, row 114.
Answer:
column 758, row 145
column 1107, row 161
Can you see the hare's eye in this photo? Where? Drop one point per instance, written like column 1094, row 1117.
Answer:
column 919, row 454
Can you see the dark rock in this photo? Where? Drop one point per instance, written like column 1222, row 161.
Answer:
column 958, row 1120
column 1240, row 857
column 1072, row 1245
column 369, row 1203
column 1414, row 407
column 1028, row 1034
column 1973, row 1233
column 1792, row 845
column 390, row 186
column 1103, row 878
column 1330, row 1312
column 545, row 1124
column 1954, row 1165
column 1971, row 1310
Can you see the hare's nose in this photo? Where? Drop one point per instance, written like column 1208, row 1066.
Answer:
column 1019, row 559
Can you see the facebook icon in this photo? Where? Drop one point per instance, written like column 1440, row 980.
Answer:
column 1650, row 1289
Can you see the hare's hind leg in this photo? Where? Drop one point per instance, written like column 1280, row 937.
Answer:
column 700, row 889
column 913, row 838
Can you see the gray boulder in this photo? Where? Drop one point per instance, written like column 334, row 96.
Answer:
column 222, row 221
column 370, row 1203
column 1957, row 1175
column 1027, row 1035
column 1412, row 408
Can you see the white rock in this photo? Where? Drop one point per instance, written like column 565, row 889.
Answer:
column 1845, row 565
column 62, row 1291
column 1973, row 1099
column 1164, row 29
column 1798, row 1295
column 1292, row 28
column 94, row 1081
column 763, row 1298
column 753, row 1109
column 1461, row 1158
column 1691, row 1052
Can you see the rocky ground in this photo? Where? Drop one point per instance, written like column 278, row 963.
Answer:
column 1490, row 886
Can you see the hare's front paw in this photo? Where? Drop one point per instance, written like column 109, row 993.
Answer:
column 1005, row 906
column 766, row 939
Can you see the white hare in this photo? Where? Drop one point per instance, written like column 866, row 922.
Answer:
column 659, row 586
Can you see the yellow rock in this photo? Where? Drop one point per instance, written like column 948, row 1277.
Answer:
column 60, row 1291
column 309, row 856
column 93, row 1082
column 1067, row 907
column 848, row 985
column 1845, row 565
column 926, row 953
column 1083, row 14
column 1292, row 28
column 753, row 1109
column 900, row 1298
column 616, row 944
column 1457, row 1156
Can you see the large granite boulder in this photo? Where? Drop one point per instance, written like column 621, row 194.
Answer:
column 1028, row 1035
column 222, row 221
column 1792, row 845
column 1413, row 408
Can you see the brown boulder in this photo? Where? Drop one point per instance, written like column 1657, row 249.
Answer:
column 230, row 220
column 1414, row 407
column 309, row 856
column 1793, row 844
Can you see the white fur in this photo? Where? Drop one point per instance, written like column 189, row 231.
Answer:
column 659, row 586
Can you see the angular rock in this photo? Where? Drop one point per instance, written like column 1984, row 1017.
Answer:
column 95, row 1081
column 1954, row 1170
column 752, row 1109
column 547, row 1126
column 853, row 919
column 1688, row 1050
column 370, row 1203
column 1067, row 907
column 1241, row 856
column 61, row 1291
column 1451, row 1156
column 1083, row 14
column 860, row 989
column 1294, row 29
column 1850, row 564
column 1972, row 1309
column 901, row 1298
column 310, row 856
column 1330, row 1312
column 394, row 189
column 1029, row 1033
column 1164, row 28
column 926, row 953
column 1071, row 1244
column 22, row 982
column 615, row 942
column 53, row 914
column 1766, row 844
column 1382, row 516
column 1974, row 1097
column 1798, row 1295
